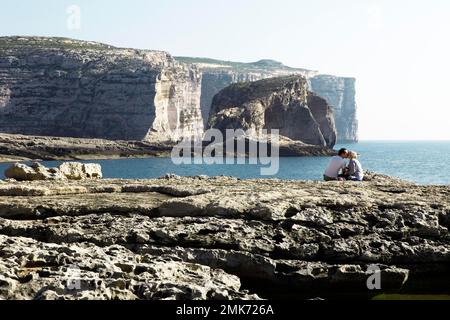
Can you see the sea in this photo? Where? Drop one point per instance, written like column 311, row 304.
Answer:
column 423, row 162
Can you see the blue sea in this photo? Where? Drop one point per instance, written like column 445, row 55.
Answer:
column 421, row 162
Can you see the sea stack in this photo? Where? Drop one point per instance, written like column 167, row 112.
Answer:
column 340, row 92
column 282, row 103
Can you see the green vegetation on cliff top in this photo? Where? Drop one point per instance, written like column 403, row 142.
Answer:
column 67, row 43
column 262, row 64
column 53, row 42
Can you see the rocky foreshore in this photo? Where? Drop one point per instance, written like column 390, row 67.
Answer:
column 221, row 238
column 21, row 147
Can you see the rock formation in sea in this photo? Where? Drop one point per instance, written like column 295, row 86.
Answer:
column 70, row 88
column 222, row 238
column 282, row 103
column 339, row 92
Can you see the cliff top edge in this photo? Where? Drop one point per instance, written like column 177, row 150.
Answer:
column 264, row 65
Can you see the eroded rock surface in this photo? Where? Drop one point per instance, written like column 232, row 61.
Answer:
column 221, row 238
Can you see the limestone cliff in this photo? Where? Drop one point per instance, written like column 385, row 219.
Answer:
column 339, row 92
column 282, row 103
column 69, row 88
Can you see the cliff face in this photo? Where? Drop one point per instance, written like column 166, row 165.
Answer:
column 339, row 92
column 218, row 75
column 214, row 81
column 282, row 103
column 69, row 88
column 61, row 87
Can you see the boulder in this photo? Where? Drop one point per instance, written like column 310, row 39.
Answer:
column 81, row 171
column 66, row 171
column 22, row 172
column 92, row 170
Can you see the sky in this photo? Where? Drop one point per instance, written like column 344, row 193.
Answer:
column 398, row 50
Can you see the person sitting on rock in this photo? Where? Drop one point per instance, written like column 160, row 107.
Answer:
column 355, row 170
column 336, row 167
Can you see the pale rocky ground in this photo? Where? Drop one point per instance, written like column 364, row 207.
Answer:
column 221, row 238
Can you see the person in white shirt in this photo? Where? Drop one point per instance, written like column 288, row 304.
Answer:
column 336, row 166
column 355, row 170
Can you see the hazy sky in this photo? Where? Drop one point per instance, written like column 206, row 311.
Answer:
column 399, row 50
